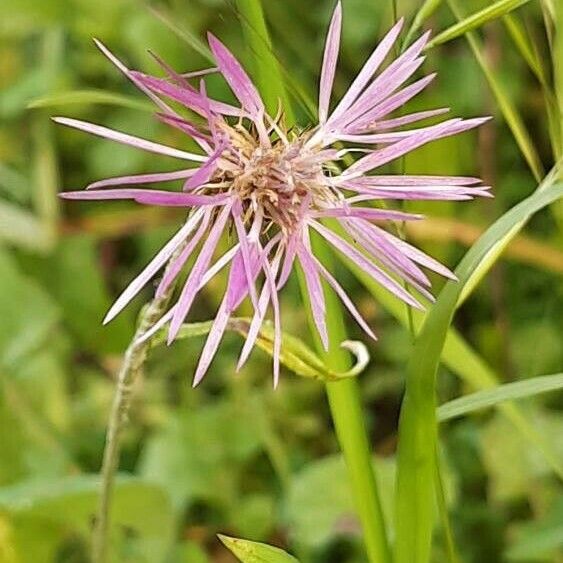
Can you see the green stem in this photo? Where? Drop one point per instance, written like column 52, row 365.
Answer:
column 344, row 396
column 130, row 372
column 346, row 409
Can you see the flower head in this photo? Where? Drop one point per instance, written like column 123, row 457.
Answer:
column 272, row 186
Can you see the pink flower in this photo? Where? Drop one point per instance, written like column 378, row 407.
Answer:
column 272, row 187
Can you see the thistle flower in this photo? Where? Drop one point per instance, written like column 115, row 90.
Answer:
column 272, row 187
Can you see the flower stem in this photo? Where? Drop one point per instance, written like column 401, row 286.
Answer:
column 130, row 371
column 344, row 396
column 346, row 410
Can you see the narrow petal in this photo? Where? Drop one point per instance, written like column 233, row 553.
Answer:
column 154, row 265
column 149, row 197
column 129, row 139
column 315, row 291
column 237, row 290
column 392, row 152
column 204, row 174
column 142, row 179
column 131, row 76
column 260, row 312
column 329, row 62
column 384, row 85
column 245, row 251
column 407, row 119
column 407, row 180
column 370, row 213
column 188, row 97
column 345, row 299
column 188, row 128
column 192, row 284
column 417, row 255
column 397, row 100
column 236, row 77
column 382, row 250
column 212, row 342
column 363, row 262
column 175, row 267
column 368, row 70
column 270, row 273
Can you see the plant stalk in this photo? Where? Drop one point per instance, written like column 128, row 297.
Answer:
column 344, row 396
column 131, row 370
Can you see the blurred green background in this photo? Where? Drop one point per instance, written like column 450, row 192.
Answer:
column 233, row 456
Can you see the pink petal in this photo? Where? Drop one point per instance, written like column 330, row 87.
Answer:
column 329, row 62
column 345, row 299
column 149, row 197
column 142, row 179
column 393, row 102
column 204, row 174
column 370, row 213
column 237, row 78
column 365, row 264
column 192, row 284
column 386, row 83
column 315, row 291
column 212, row 342
column 260, row 312
column 176, row 266
column 185, row 95
column 387, row 154
column 154, row 265
column 406, row 119
column 131, row 76
column 369, row 68
column 407, row 180
column 129, row 139
column 245, row 251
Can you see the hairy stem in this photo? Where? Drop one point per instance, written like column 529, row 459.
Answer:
column 131, row 370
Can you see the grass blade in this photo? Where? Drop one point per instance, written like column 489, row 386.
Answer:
column 462, row 360
column 92, row 96
column 417, row 425
column 474, row 21
column 267, row 69
column 507, row 392
column 422, row 14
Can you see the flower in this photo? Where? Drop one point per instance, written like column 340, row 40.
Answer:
column 272, row 187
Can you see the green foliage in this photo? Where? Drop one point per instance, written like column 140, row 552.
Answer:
column 234, row 456
column 254, row 552
column 506, row 392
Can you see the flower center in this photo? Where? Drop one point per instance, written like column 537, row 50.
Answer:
column 283, row 180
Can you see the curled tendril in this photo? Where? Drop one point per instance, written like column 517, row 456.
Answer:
column 295, row 355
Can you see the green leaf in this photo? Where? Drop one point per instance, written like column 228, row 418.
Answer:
column 486, row 15
column 191, row 464
column 506, row 392
column 70, row 502
column 87, row 97
column 28, row 313
column 267, row 70
column 294, row 355
column 254, row 552
column 21, row 228
column 509, row 111
column 540, row 540
column 417, row 425
column 513, row 471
